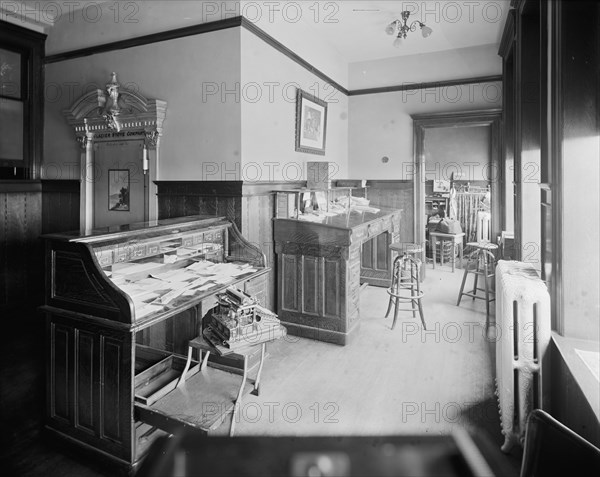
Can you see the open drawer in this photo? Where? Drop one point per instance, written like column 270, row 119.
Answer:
column 204, row 401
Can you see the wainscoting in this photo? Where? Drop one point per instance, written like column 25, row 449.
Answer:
column 29, row 209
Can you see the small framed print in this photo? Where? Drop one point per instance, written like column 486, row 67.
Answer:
column 118, row 190
column 441, row 186
column 311, row 123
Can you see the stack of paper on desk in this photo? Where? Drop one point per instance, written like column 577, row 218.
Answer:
column 125, row 269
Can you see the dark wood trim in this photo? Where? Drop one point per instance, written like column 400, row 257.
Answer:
column 32, row 47
column 432, row 84
column 224, row 188
column 199, row 188
column 20, row 186
column 474, row 117
column 508, row 35
column 146, row 39
column 248, row 25
column 60, row 185
column 556, row 166
column 196, row 30
column 391, row 182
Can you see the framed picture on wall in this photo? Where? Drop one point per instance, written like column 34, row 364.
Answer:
column 311, row 123
column 118, row 190
column 441, row 186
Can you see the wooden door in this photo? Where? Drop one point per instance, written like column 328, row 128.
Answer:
column 119, row 183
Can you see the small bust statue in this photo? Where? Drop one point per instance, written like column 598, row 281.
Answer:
column 112, row 89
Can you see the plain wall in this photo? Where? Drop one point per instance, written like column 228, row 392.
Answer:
column 381, row 125
column 445, row 65
column 447, row 156
column 199, row 130
column 268, row 107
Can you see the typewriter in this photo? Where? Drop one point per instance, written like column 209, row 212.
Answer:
column 239, row 320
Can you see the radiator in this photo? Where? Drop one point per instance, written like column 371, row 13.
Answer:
column 523, row 334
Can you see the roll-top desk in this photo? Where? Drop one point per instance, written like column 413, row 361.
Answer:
column 121, row 305
column 321, row 265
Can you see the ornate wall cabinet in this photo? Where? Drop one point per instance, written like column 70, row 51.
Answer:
column 114, row 116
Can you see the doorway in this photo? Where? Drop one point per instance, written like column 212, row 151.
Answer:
column 458, row 152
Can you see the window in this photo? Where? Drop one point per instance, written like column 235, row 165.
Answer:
column 21, row 102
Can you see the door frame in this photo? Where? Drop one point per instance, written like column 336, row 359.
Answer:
column 421, row 122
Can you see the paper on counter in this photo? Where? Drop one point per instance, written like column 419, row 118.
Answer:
column 146, row 310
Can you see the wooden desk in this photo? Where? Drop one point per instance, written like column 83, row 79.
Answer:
column 320, row 267
column 442, row 237
column 113, row 360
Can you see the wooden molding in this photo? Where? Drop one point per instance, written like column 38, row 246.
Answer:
column 224, row 188
column 26, row 186
column 60, row 185
column 248, row 25
column 470, row 118
column 508, row 35
column 433, row 84
column 146, row 39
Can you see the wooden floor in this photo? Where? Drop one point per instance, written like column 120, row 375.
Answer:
column 405, row 381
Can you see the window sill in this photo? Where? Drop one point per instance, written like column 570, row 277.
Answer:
column 581, row 373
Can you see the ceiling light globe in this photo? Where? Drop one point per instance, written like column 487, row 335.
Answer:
column 390, row 29
column 426, row 31
column 398, row 42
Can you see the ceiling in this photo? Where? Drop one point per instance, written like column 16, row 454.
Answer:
column 352, row 28
column 355, row 28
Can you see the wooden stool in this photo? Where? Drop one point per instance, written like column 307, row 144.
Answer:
column 406, row 285
column 404, row 248
column 481, row 262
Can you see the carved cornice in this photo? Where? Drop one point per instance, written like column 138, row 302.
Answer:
column 123, row 114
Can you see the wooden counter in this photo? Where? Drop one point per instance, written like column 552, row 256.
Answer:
column 320, row 267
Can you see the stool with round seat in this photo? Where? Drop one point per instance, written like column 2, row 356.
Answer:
column 481, row 263
column 406, row 282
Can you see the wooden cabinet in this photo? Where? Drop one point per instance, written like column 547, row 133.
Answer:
column 114, row 327
column 319, row 270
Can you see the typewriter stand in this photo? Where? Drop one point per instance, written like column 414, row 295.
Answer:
column 203, row 345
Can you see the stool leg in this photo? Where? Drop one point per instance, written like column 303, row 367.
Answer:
column 394, row 284
column 238, row 402
column 389, row 308
column 181, row 381
column 204, row 361
column 462, row 286
column 256, row 391
column 421, row 314
column 487, row 293
column 395, row 313
column 453, row 255
column 478, row 258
